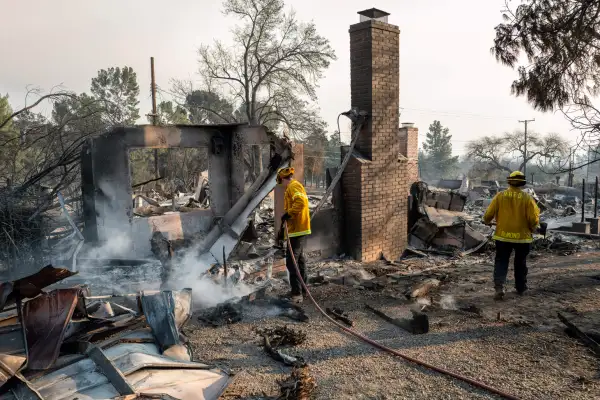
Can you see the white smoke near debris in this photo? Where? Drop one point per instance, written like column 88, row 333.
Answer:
column 208, row 290
column 189, row 271
column 420, row 304
column 117, row 246
column 448, row 302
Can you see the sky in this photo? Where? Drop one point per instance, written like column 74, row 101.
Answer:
column 446, row 69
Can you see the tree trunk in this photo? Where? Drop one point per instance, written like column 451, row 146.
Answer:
column 257, row 160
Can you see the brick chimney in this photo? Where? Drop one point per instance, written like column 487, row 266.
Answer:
column 409, row 148
column 375, row 82
column 375, row 182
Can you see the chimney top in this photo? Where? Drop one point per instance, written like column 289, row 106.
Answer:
column 373, row 13
column 408, row 125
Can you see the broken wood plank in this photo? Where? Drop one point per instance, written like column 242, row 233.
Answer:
column 146, row 182
column 422, row 288
column 339, row 315
column 593, row 345
column 398, row 275
column 418, row 324
column 416, row 252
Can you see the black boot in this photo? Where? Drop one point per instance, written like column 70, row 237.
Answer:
column 521, row 291
column 499, row 293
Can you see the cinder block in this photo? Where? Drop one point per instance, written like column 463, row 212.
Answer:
column 594, row 222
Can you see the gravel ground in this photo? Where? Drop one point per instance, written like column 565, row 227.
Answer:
column 517, row 345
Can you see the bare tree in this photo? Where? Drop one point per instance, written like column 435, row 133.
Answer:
column 499, row 151
column 271, row 72
column 489, row 150
column 39, row 156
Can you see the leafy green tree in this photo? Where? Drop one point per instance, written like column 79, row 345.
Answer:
column 171, row 114
column 207, row 107
column 439, row 162
column 315, row 147
column 119, row 90
column 554, row 45
column 9, row 138
column 334, row 151
column 561, row 42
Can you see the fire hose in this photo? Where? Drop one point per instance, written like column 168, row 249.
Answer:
column 380, row 346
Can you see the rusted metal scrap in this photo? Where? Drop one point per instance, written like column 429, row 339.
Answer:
column 45, row 320
column 57, row 331
column 32, row 285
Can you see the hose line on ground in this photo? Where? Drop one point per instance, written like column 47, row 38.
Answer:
column 380, row 346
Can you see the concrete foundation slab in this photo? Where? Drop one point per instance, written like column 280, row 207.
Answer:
column 581, row 227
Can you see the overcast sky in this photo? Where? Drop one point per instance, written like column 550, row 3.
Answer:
column 446, row 69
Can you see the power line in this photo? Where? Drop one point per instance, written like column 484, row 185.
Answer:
column 457, row 114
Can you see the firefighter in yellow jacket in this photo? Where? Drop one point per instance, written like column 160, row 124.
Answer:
column 297, row 216
column 517, row 217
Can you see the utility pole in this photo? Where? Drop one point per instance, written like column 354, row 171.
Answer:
column 570, row 180
column 587, row 167
column 154, row 114
column 525, row 152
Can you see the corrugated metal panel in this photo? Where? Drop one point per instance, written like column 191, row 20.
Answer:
column 159, row 310
column 11, row 340
column 133, row 356
column 145, row 370
column 189, row 384
column 6, row 289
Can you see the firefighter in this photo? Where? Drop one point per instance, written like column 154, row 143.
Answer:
column 517, row 217
column 297, row 217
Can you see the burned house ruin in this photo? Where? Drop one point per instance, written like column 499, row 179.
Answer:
column 106, row 181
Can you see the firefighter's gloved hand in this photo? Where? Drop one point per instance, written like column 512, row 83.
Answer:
column 285, row 217
column 542, row 228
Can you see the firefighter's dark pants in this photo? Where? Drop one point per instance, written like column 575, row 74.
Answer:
column 298, row 249
column 503, row 252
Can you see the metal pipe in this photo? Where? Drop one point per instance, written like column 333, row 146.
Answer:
column 596, row 199
column 583, row 201
column 379, row 346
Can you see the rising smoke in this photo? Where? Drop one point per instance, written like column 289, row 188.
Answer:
column 189, row 271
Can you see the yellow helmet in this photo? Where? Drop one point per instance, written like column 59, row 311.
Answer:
column 516, row 178
column 284, row 173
